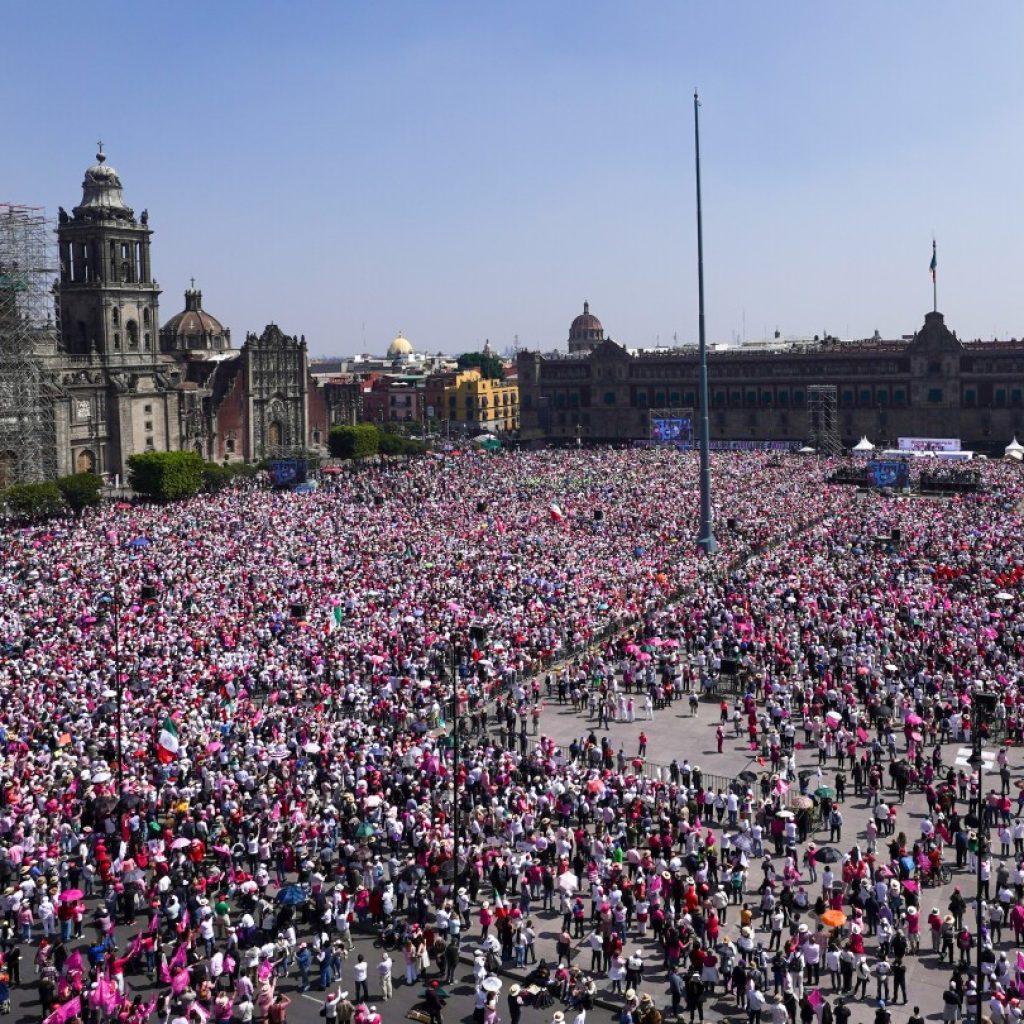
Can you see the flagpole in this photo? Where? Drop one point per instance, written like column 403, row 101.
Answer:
column 935, row 291
column 706, row 536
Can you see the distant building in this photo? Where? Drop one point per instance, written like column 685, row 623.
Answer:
column 928, row 384
column 467, row 402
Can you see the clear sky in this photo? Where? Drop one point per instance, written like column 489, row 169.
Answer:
column 467, row 170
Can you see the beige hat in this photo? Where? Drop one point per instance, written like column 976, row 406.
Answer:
column 630, row 994
column 557, row 1017
column 514, row 991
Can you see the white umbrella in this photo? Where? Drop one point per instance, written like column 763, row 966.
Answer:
column 312, row 748
column 568, row 882
column 492, row 983
column 1002, row 595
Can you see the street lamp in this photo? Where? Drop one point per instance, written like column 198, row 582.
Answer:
column 983, row 707
column 453, row 654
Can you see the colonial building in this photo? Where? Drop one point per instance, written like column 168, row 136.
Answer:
column 121, row 383
column 928, row 384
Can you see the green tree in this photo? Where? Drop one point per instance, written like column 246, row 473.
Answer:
column 216, row 477
column 33, row 501
column 354, row 442
column 489, row 366
column 166, row 476
column 80, row 490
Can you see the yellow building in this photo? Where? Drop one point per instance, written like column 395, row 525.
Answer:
column 478, row 403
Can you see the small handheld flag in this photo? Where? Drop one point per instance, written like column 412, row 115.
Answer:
column 167, row 743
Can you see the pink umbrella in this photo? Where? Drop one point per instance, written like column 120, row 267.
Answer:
column 913, row 719
column 71, row 895
column 181, row 843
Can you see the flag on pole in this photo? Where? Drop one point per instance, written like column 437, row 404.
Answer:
column 167, row 743
column 336, row 614
column 934, row 263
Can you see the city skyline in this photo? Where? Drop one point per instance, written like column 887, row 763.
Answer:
column 462, row 175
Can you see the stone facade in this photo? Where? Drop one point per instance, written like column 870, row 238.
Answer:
column 120, row 383
column 929, row 385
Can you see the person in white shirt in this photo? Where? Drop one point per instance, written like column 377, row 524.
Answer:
column 384, row 976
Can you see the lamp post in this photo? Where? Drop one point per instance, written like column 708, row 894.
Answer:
column 454, row 654
column 982, row 708
column 706, row 536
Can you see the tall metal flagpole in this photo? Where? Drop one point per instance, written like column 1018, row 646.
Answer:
column 934, row 266
column 706, row 537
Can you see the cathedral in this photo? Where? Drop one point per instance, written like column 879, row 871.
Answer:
column 122, row 383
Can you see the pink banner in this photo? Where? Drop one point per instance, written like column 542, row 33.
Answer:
column 179, row 982
column 814, row 998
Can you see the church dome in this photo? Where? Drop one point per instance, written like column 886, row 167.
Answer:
column 400, row 347
column 101, row 191
column 586, row 330
column 193, row 328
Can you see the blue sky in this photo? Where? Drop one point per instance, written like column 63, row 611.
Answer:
column 463, row 171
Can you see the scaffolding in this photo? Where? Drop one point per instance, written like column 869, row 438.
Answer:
column 822, row 420
column 28, row 332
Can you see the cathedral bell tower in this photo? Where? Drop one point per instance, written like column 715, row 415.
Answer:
column 121, row 394
column 109, row 302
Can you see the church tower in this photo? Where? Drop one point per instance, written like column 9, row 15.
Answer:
column 120, row 394
column 109, row 301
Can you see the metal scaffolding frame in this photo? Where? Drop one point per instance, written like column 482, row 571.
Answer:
column 28, row 332
column 822, row 419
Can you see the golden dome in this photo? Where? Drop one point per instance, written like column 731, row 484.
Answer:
column 400, row 347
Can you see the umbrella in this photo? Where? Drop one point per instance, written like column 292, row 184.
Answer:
column 1002, row 595
column 139, row 542
column 748, row 776
column 372, row 801
column 785, row 815
column 916, row 737
column 825, row 792
column 101, row 777
column 181, row 843
column 913, row 719
column 291, row 895
column 412, row 873
column 595, row 786
column 492, row 983
column 833, row 919
column 71, row 895
column 364, row 830
column 802, row 803
column 312, row 748
column 568, row 882
column 828, row 855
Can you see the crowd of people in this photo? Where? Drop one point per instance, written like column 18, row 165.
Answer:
column 245, row 729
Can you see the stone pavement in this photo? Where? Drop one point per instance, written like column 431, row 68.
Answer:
column 675, row 734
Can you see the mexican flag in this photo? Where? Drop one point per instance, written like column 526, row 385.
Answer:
column 167, row 742
column 334, row 617
column 935, row 261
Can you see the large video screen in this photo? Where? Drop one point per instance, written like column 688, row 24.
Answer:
column 888, row 473
column 672, row 430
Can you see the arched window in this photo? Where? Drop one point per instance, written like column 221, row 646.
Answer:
column 132, row 329
column 86, row 461
column 115, row 318
column 145, row 317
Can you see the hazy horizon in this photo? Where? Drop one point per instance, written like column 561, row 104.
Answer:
column 462, row 173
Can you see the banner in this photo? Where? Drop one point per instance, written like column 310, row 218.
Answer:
column 929, row 444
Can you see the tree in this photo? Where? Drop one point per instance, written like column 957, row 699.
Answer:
column 216, row 477
column 353, row 442
column 80, row 490
column 490, row 367
column 166, row 476
column 33, row 501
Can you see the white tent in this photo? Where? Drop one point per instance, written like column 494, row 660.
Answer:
column 806, row 450
column 864, row 445
column 1014, row 448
